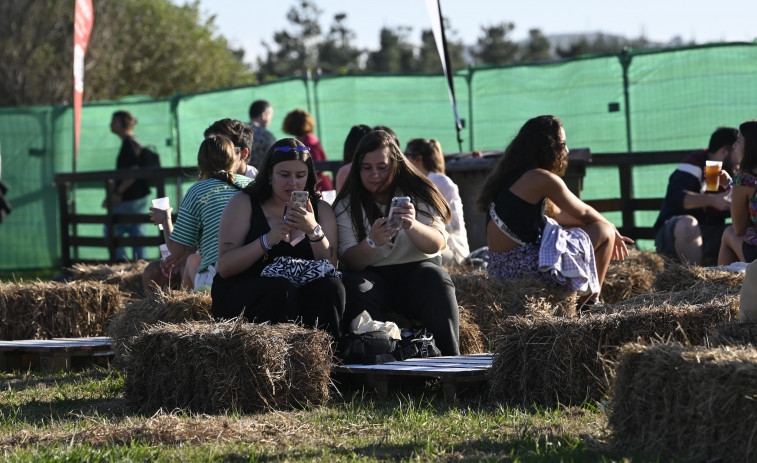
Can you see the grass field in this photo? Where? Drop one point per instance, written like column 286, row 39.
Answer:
column 81, row 416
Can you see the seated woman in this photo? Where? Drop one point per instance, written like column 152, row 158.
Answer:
column 427, row 156
column 259, row 225
column 739, row 241
column 514, row 198
column 392, row 265
column 221, row 167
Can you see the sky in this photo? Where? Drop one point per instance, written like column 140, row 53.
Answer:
column 245, row 23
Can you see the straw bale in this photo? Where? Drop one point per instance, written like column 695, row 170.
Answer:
column 170, row 306
column 216, row 367
column 678, row 277
column 127, row 276
column 630, row 277
column 471, row 338
column 44, row 310
column 685, row 403
column 491, row 300
column 546, row 360
column 735, row 334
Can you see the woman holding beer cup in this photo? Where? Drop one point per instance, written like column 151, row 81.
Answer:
column 260, row 224
column 739, row 242
column 392, row 255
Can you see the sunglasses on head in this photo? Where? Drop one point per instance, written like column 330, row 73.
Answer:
column 287, row 149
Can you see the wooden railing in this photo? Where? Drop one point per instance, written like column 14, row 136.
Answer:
column 467, row 173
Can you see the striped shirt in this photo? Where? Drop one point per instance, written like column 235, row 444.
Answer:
column 200, row 215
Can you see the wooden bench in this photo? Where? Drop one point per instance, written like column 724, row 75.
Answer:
column 55, row 354
column 452, row 372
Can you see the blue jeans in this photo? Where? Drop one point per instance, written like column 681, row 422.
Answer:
column 133, row 206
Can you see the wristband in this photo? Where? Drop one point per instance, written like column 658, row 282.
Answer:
column 264, row 242
column 322, row 236
column 370, row 242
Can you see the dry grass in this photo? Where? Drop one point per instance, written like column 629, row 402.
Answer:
column 219, row 367
column 127, row 276
column 684, row 403
column 630, row 277
column 45, row 310
column 678, row 277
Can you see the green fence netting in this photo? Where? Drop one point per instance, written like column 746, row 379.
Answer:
column 645, row 100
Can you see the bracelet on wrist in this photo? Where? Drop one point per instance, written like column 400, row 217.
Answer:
column 370, row 242
column 323, row 235
column 264, row 243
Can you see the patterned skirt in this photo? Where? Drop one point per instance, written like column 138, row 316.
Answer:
column 516, row 263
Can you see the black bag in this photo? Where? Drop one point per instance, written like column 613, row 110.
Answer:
column 416, row 342
column 369, row 348
column 149, row 159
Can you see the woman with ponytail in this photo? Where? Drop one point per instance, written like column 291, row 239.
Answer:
column 221, row 169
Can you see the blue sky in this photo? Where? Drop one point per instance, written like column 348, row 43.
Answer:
column 246, row 23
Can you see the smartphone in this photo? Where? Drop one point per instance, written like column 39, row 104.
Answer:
column 299, row 199
column 398, row 201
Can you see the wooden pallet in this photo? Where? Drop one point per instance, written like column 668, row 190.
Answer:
column 55, row 354
column 452, row 372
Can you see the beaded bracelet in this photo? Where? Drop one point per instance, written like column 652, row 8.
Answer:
column 264, row 243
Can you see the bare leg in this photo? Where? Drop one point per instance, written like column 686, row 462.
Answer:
column 730, row 247
column 688, row 240
column 602, row 237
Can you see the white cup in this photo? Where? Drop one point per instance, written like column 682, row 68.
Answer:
column 164, row 252
column 161, row 203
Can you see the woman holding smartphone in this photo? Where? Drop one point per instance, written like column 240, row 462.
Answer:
column 390, row 266
column 258, row 225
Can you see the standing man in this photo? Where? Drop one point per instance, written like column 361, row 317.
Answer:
column 691, row 221
column 131, row 195
column 261, row 115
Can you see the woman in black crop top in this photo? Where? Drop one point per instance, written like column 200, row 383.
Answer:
column 259, row 225
column 514, row 198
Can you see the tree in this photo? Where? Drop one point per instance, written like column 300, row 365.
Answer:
column 336, row 55
column 395, row 53
column 537, row 48
column 297, row 50
column 150, row 47
column 428, row 55
column 494, row 45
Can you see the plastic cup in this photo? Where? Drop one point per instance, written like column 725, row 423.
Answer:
column 712, row 174
column 164, row 252
column 161, row 203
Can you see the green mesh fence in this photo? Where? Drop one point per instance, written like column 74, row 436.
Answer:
column 675, row 99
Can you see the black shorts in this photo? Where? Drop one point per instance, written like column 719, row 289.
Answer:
column 664, row 240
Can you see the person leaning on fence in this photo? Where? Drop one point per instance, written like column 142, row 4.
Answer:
column 261, row 115
column 265, row 241
column 426, row 155
column 395, row 267
column 182, row 271
column 221, row 166
column 691, row 221
column 131, row 195
column 301, row 124
column 522, row 240
column 739, row 241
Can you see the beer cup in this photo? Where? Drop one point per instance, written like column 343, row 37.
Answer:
column 712, row 175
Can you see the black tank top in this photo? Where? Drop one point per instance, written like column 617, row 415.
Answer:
column 523, row 219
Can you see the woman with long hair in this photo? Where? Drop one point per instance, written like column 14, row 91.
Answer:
column 395, row 263
column 514, row 197
column 739, row 241
column 258, row 225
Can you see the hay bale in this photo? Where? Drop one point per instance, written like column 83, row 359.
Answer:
column 679, row 277
column 472, row 340
column 685, row 404
column 734, row 334
column 491, row 300
column 169, row 306
column 231, row 366
column 127, row 276
column 44, row 310
column 630, row 277
column 546, row 360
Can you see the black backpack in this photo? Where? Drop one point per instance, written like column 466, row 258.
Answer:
column 149, row 159
column 416, row 342
column 369, row 348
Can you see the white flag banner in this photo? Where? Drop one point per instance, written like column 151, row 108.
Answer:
column 437, row 27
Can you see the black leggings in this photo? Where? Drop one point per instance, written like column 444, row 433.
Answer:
column 317, row 304
column 421, row 290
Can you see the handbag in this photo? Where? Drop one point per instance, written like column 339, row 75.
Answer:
column 300, row 271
